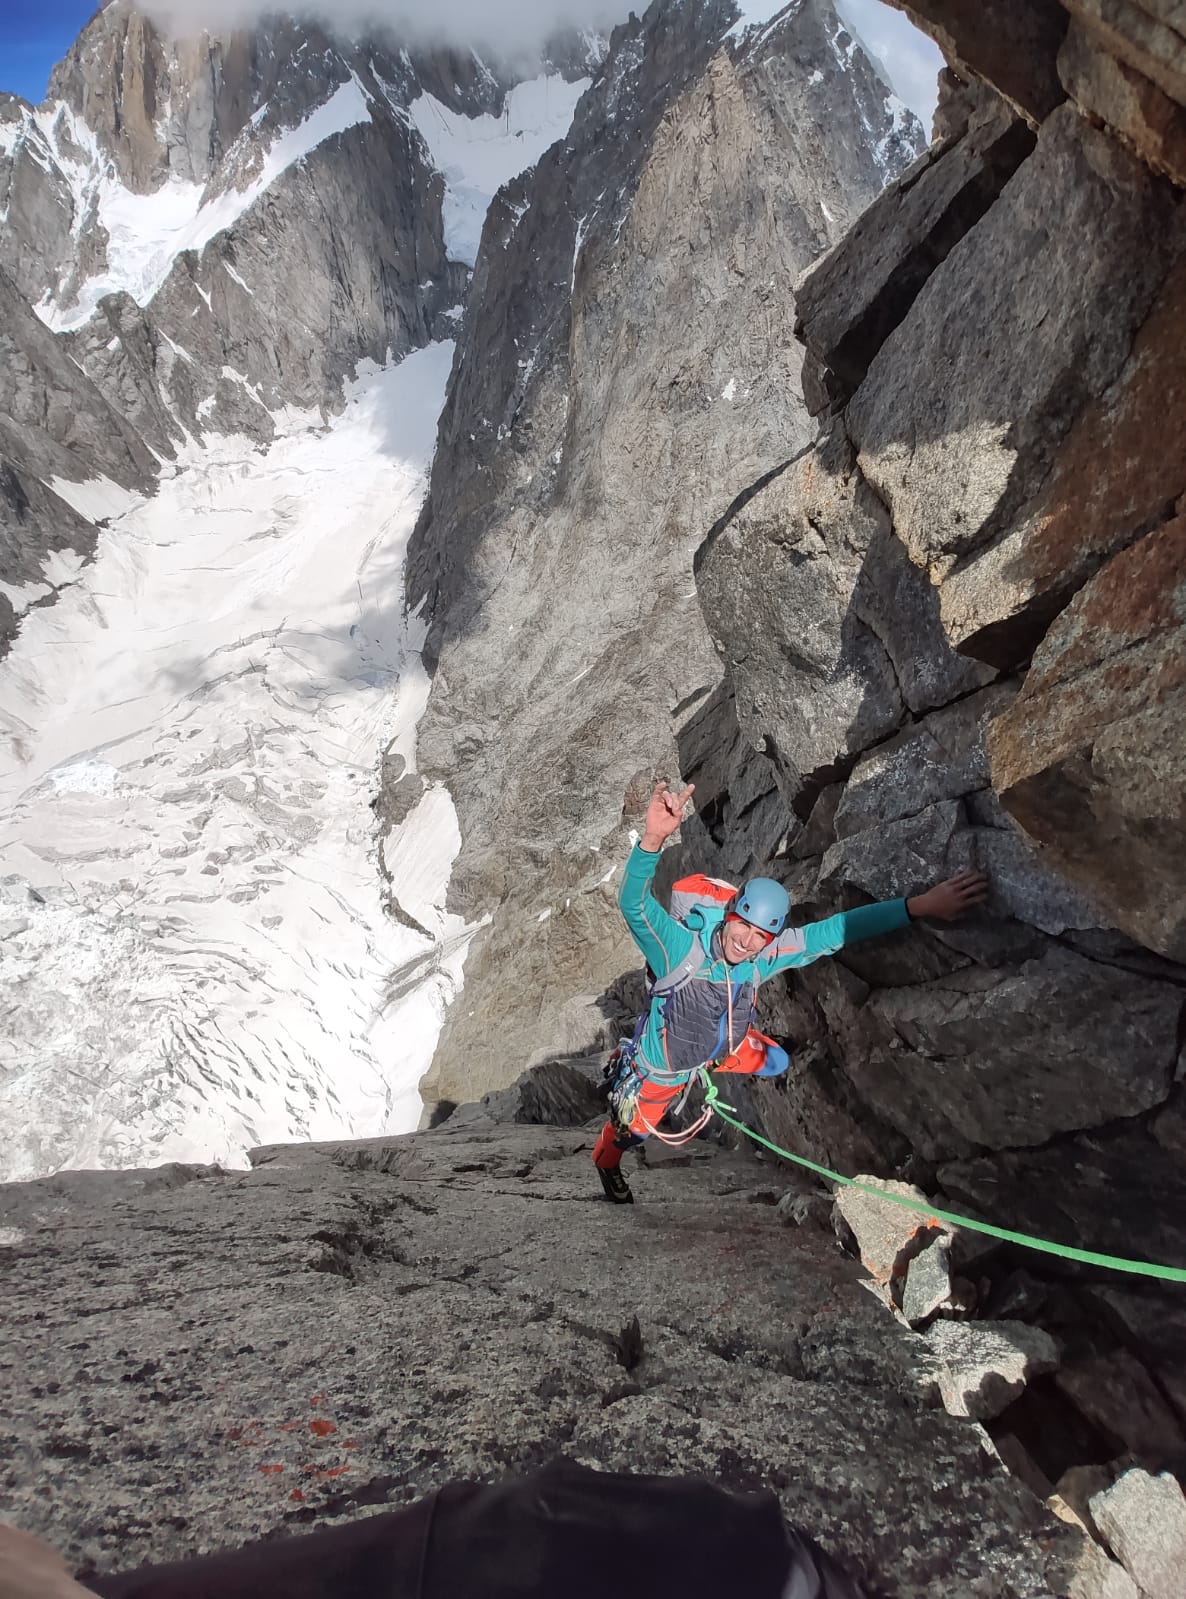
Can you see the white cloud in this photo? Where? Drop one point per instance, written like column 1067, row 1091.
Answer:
column 911, row 59
column 515, row 24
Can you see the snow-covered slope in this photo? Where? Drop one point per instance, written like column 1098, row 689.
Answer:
column 477, row 155
column 146, row 233
column 192, row 741
column 208, row 937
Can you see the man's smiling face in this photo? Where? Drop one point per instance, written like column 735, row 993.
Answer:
column 742, row 942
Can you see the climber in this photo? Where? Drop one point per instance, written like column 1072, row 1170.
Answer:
column 707, row 974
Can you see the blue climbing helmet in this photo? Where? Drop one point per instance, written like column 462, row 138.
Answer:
column 764, row 904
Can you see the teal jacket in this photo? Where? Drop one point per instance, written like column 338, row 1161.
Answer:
column 716, row 986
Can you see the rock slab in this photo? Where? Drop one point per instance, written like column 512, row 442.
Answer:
column 1144, row 1520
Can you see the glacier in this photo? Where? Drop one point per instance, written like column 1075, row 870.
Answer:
column 189, row 742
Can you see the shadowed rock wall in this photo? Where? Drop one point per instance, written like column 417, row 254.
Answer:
column 970, row 652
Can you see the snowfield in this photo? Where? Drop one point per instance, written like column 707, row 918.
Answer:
column 477, row 155
column 147, row 232
column 189, row 744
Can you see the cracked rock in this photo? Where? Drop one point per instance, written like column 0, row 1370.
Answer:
column 1143, row 1519
column 887, row 1237
column 981, row 1367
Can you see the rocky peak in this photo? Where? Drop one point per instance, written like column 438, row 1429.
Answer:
column 172, row 108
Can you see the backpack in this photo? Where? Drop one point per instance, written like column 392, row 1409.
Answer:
column 690, row 898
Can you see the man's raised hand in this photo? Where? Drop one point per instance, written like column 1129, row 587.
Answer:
column 950, row 900
column 663, row 815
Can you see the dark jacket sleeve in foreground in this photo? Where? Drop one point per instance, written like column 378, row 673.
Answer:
column 565, row 1531
column 381, row 1557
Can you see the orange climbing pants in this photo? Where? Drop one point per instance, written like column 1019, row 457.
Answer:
column 655, row 1098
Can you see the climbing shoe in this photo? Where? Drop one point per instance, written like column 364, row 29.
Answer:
column 617, row 1189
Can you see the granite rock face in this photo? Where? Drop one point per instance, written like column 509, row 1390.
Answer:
column 1091, row 759
column 625, row 371
column 350, row 1326
column 853, row 297
column 958, row 450
column 987, row 397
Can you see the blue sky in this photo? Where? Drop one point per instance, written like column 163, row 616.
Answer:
column 910, row 57
column 34, row 35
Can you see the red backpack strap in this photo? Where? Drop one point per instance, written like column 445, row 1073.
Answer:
column 688, row 892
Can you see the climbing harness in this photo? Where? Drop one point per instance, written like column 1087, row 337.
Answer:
column 623, row 1077
column 1140, row 1268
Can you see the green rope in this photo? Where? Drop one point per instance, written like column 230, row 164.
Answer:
column 1141, row 1268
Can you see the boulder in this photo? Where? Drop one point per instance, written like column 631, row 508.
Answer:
column 960, row 417
column 1091, row 757
column 887, row 1237
column 980, row 1367
column 1131, row 104
column 928, row 1283
column 1143, row 1519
